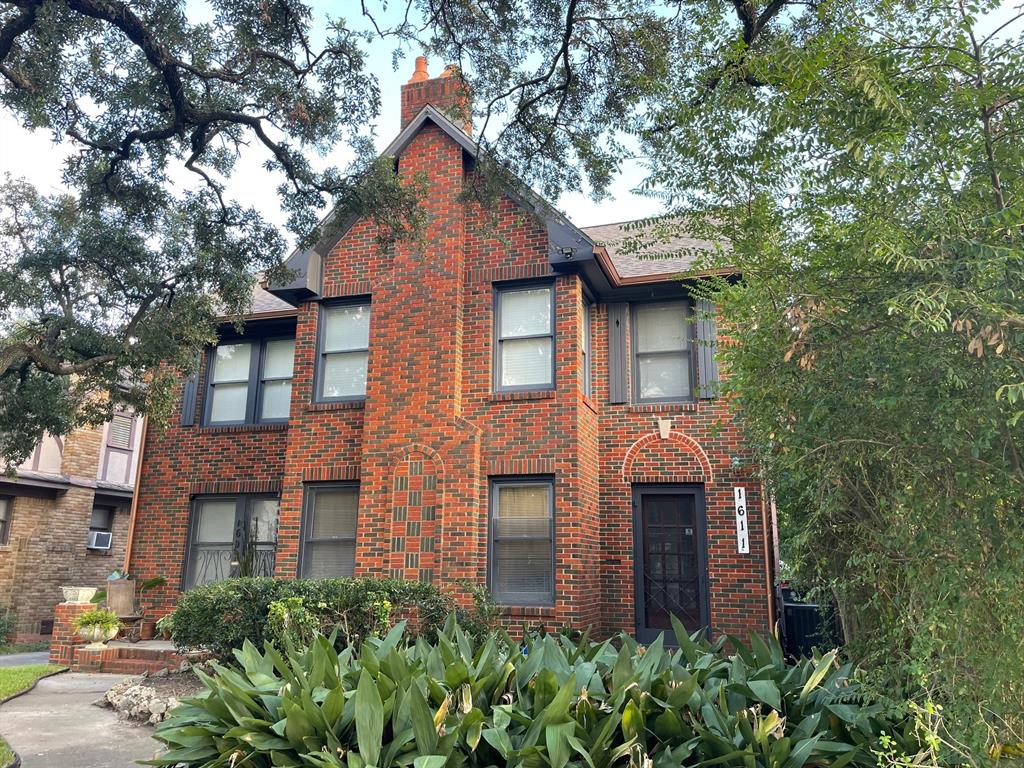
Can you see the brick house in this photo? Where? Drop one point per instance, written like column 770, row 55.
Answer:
column 64, row 519
column 509, row 400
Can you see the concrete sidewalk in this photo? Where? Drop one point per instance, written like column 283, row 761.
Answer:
column 21, row 659
column 56, row 724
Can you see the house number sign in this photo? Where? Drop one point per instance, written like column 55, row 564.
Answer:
column 742, row 534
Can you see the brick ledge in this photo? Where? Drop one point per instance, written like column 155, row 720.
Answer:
column 341, row 405
column 282, row 427
column 534, row 394
column 663, row 408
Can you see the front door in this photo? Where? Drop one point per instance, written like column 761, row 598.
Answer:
column 671, row 559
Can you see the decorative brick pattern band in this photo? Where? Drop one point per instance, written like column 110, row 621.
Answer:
column 521, row 467
column 330, row 473
column 337, row 289
column 212, row 487
column 518, row 272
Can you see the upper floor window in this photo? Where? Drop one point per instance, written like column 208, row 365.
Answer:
column 47, row 456
column 329, row 531
column 343, row 351
column 522, row 562
column 661, row 352
column 524, row 338
column 250, row 382
column 116, row 466
column 5, row 519
column 587, row 333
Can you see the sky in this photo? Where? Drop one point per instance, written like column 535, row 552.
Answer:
column 34, row 156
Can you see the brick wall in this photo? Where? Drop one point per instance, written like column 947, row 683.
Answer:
column 47, row 548
column 432, row 431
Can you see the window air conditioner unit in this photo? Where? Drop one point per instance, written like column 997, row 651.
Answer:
column 100, row 539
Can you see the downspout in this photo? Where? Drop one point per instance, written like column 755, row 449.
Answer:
column 770, row 558
column 135, row 494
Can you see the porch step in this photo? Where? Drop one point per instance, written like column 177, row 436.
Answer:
column 129, row 659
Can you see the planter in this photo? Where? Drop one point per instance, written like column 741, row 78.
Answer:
column 97, row 635
column 147, row 629
column 78, row 595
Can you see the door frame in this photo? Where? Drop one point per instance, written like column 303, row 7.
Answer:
column 642, row 633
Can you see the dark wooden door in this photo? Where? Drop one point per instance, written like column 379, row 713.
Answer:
column 671, row 559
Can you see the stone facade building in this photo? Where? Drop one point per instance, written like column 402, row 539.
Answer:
column 64, row 520
column 508, row 399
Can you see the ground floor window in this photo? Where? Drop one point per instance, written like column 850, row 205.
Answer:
column 231, row 536
column 329, row 531
column 101, row 528
column 522, row 552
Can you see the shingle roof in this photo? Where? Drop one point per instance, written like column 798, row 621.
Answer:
column 264, row 302
column 641, row 251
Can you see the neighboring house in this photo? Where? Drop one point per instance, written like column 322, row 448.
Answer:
column 64, row 519
column 510, row 401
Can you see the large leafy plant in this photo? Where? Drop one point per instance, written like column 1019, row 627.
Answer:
column 544, row 702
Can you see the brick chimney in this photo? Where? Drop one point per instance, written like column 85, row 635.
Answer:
column 447, row 93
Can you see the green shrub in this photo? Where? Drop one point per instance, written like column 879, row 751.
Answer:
column 6, row 625
column 220, row 616
column 165, row 624
column 544, row 703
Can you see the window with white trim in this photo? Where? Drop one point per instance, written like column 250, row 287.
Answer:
column 343, row 352
column 5, row 519
column 524, row 338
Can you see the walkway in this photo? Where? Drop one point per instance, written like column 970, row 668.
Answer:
column 21, row 659
column 56, row 724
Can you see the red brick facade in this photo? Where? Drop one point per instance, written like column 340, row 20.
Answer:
column 432, row 431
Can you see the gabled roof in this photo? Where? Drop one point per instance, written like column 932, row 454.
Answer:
column 645, row 250
column 566, row 241
column 596, row 251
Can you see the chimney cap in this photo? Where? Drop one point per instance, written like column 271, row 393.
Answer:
column 420, row 73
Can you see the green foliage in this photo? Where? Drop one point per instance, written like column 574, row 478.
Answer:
column 544, row 702
column 220, row 616
column 128, row 268
column 165, row 624
column 6, row 624
column 97, row 617
column 14, row 680
column 6, row 648
column 870, row 190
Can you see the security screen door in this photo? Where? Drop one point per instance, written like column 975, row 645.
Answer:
column 671, row 559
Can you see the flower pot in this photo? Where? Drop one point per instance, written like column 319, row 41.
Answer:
column 97, row 635
column 78, row 594
column 147, row 629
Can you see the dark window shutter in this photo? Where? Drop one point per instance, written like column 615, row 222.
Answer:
column 618, row 385
column 707, row 367
column 189, row 394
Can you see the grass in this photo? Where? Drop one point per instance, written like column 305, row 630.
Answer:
column 15, row 680
column 6, row 648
